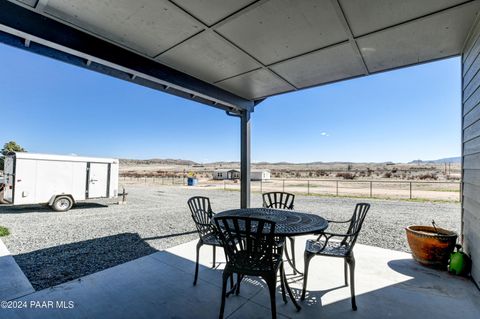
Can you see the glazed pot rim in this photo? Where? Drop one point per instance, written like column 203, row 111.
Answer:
column 439, row 232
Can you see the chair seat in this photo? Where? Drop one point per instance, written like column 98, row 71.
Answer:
column 333, row 248
column 211, row 239
column 244, row 263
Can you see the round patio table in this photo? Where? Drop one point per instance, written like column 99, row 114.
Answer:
column 287, row 222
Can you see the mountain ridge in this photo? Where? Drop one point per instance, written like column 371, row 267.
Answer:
column 171, row 161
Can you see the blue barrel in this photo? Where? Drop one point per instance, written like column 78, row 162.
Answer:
column 191, row 181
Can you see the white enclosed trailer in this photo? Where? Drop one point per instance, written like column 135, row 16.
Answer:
column 57, row 180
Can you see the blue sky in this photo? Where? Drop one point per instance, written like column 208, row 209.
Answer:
column 52, row 107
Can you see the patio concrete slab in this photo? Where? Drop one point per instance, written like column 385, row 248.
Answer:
column 13, row 282
column 389, row 285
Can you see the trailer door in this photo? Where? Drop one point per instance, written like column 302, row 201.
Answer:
column 98, row 178
column 9, row 179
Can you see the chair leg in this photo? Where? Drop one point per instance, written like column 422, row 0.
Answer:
column 290, row 293
column 271, row 283
column 224, row 292
column 239, row 280
column 282, row 283
column 307, row 257
column 345, row 271
column 292, row 249
column 199, row 244
column 214, row 253
column 351, row 262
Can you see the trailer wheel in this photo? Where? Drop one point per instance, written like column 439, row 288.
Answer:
column 62, row 203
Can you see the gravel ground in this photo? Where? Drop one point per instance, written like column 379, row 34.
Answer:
column 52, row 248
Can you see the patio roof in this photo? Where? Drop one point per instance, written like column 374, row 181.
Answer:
column 232, row 54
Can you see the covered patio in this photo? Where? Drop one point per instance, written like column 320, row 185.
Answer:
column 389, row 285
column 231, row 55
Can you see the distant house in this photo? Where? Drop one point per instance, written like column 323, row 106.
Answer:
column 260, row 175
column 227, row 173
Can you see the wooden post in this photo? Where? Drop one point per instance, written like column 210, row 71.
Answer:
column 283, row 186
column 410, row 190
column 308, row 187
column 337, row 187
column 371, row 188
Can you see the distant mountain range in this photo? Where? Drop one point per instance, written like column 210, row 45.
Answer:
column 456, row 159
column 169, row 161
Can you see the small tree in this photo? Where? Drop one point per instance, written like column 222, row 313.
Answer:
column 7, row 148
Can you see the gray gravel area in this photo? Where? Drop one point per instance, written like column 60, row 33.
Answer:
column 52, row 248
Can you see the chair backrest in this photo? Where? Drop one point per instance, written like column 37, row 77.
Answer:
column 356, row 223
column 279, row 200
column 202, row 214
column 251, row 238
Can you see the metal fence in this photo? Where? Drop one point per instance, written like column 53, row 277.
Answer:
column 429, row 190
column 394, row 189
column 154, row 180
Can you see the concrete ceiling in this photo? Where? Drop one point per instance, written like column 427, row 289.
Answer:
column 256, row 49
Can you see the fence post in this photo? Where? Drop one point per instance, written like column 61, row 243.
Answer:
column 283, row 186
column 371, row 188
column 261, row 186
column 145, row 179
column 224, row 185
column 337, row 187
column 410, row 190
column 308, row 187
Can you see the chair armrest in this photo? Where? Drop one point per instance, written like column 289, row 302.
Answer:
column 206, row 225
column 339, row 221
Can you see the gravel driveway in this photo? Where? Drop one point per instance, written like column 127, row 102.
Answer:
column 52, row 248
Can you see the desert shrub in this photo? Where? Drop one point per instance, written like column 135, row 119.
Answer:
column 319, row 173
column 346, row 175
column 453, row 178
column 387, row 175
column 428, row 176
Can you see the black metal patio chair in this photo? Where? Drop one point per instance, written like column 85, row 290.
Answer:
column 202, row 216
column 282, row 200
column 251, row 250
column 324, row 246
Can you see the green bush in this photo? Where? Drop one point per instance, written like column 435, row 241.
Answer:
column 4, row 231
column 7, row 148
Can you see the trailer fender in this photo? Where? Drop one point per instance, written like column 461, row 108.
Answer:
column 52, row 199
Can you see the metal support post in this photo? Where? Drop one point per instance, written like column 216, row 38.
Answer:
column 245, row 156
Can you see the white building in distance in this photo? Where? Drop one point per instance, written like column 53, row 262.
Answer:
column 227, row 173
column 231, row 174
column 260, row 175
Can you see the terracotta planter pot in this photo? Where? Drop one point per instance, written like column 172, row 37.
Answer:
column 429, row 247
